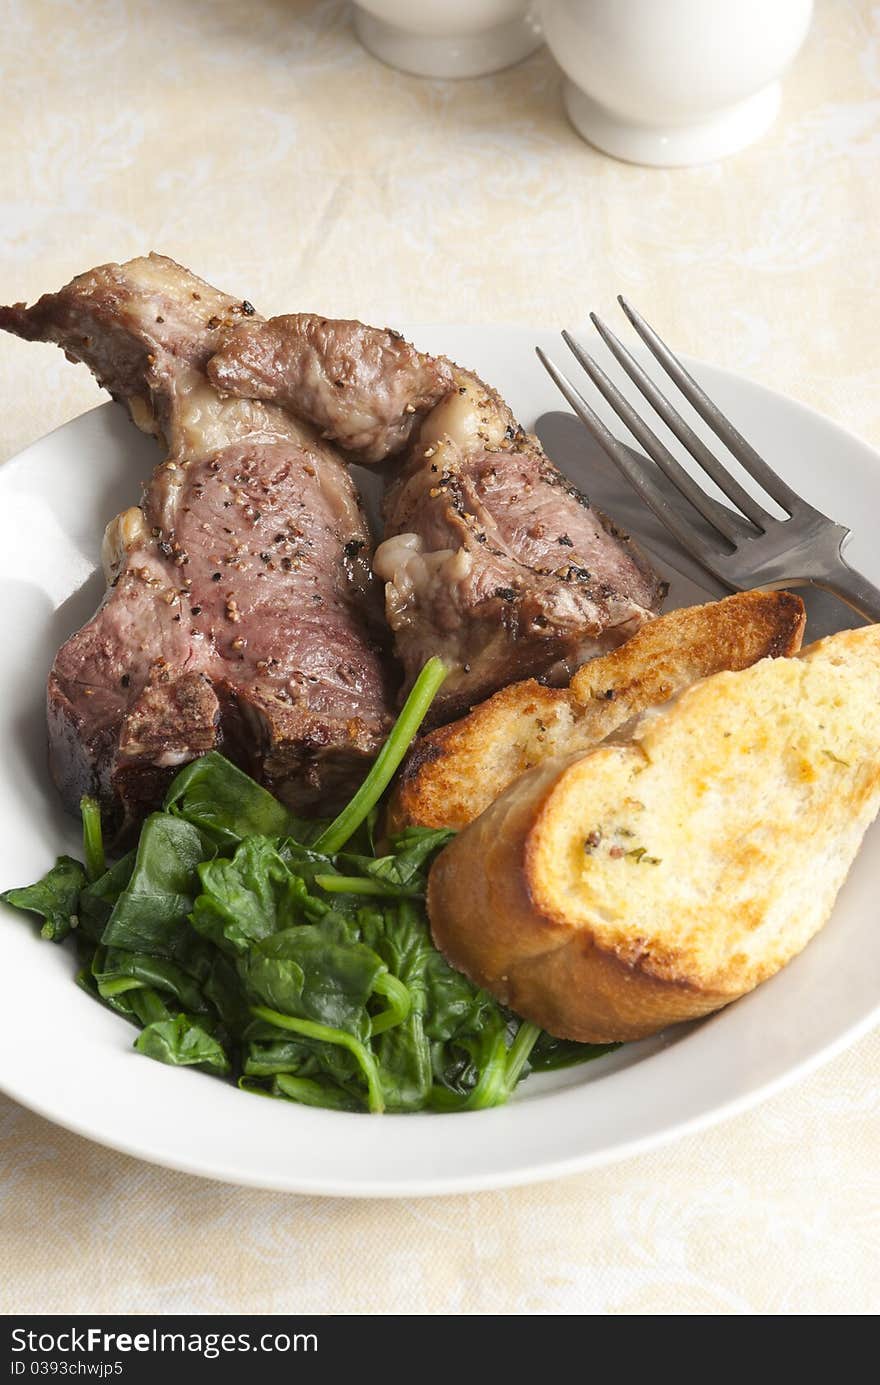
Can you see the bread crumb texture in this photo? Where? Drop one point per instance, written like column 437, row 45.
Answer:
column 710, row 848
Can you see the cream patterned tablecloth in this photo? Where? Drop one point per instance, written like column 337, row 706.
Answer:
column 258, row 143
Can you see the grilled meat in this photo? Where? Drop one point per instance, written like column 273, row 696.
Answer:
column 491, row 558
column 241, row 609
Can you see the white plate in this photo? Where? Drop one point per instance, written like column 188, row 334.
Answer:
column 72, row 1061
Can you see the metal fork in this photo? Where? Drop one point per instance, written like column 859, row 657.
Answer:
column 744, row 548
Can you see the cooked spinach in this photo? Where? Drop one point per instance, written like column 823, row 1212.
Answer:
column 549, row 1053
column 130, row 971
column 224, row 802
column 286, row 955
column 96, row 901
column 247, row 897
column 151, row 912
column 55, row 897
column 308, row 974
column 184, row 1041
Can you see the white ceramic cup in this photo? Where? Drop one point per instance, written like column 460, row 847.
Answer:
column 447, row 38
column 673, row 81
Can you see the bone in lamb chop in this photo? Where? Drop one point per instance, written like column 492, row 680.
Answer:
column 240, row 612
column 491, row 558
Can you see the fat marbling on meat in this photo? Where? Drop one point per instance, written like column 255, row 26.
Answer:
column 241, row 612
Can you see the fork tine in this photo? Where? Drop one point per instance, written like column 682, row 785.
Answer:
column 637, row 475
column 717, row 421
column 682, row 430
column 722, row 519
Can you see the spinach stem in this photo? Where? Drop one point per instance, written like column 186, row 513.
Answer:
column 362, row 884
column 412, row 714
column 501, row 1069
column 491, row 1087
column 324, row 1034
column 148, row 1005
column 93, row 840
column 518, row 1053
column 399, row 1002
column 118, row 985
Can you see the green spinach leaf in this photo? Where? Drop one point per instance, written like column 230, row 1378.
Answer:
column 55, row 898
column 223, row 990
column 404, row 872
column 150, row 913
column 97, row 899
column 225, row 803
column 128, row 971
column 303, row 972
column 249, row 897
column 307, row 1091
column 184, row 1042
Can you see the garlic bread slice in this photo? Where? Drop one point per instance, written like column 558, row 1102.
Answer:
column 609, row 894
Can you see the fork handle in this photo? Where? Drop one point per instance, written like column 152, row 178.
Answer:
column 853, row 588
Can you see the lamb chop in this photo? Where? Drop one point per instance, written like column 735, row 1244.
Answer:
column 491, row 557
column 241, row 611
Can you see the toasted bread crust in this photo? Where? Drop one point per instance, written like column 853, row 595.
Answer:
column 754, row 789
column 454, row 773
